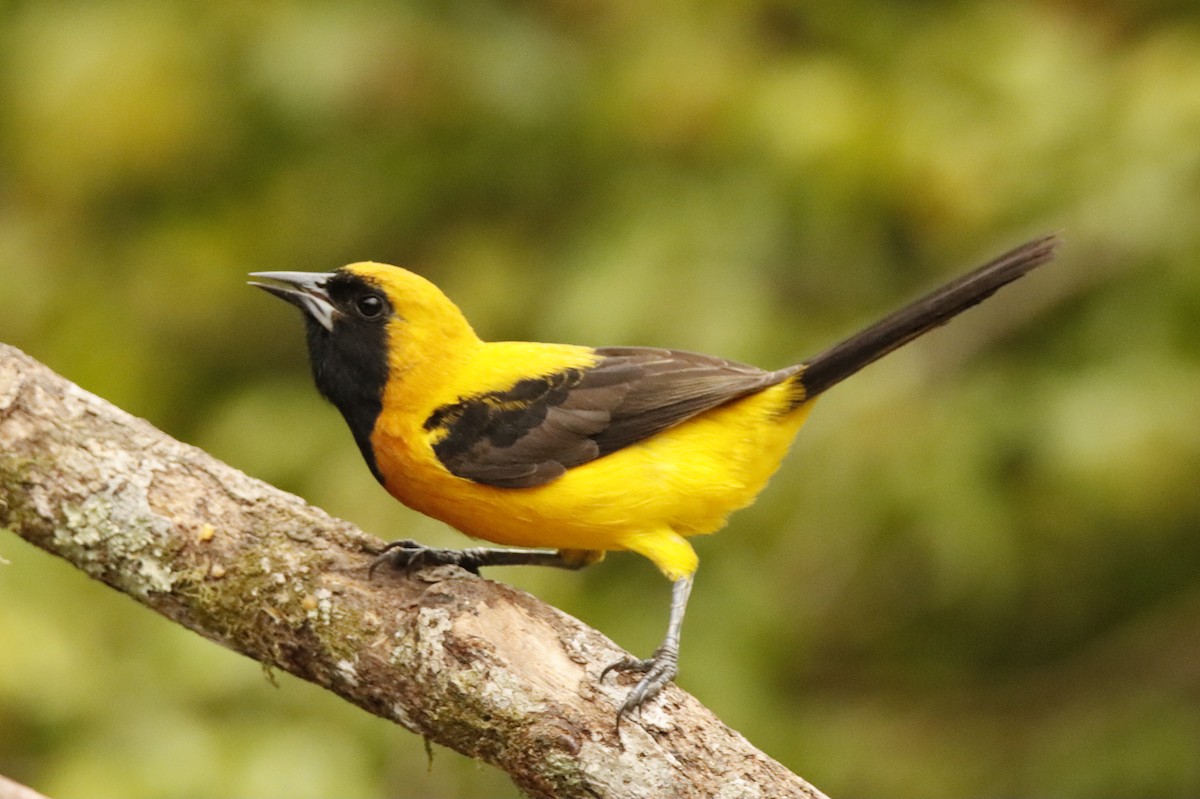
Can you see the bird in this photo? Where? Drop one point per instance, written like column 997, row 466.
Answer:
column 562, row 453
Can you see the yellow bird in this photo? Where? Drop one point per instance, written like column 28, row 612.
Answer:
column 583, row 450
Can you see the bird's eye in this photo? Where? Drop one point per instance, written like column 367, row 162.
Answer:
column 369, row 306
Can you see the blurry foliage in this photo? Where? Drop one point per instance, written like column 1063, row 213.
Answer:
column 977, row 575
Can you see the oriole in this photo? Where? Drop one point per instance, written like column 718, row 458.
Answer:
column 583, row 450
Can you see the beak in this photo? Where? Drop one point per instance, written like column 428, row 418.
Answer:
column 305, row 290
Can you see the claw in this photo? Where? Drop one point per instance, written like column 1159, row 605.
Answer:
column 625, row 664
column 398, row 554
column 658, row 670
column 410, row 556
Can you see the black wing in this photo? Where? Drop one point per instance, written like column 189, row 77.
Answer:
column 533, row 432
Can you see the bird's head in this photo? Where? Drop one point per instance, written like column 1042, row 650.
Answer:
column 367, row 321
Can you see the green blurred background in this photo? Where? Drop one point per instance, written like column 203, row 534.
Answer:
column 979, row 572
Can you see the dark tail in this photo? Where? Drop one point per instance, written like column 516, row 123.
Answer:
column 936, row 308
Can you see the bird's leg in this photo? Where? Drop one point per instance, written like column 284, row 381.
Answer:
column 661, row 667
column 409, row 555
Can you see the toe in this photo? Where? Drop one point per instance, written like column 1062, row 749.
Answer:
column 658, row 672
column 402, row 554
column 627, row 664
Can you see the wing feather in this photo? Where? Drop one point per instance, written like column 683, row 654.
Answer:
column 531, row 433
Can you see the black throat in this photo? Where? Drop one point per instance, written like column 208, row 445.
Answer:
column 350, row 368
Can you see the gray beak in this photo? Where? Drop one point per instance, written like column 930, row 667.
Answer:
column 305, row 290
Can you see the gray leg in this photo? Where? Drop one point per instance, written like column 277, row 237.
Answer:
column 410, row 555
column 660, row 668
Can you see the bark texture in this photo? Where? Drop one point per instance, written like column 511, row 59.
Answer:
column 471, row 664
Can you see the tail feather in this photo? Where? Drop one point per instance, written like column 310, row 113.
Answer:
column 936, row 308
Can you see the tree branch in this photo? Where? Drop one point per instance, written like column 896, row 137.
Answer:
column 474, row 665
column 15, row 790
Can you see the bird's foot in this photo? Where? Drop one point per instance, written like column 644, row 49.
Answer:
column 657, row 671
column 410, row 556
